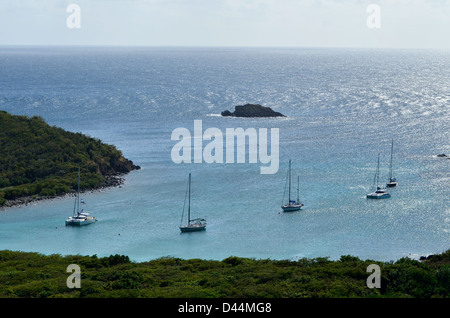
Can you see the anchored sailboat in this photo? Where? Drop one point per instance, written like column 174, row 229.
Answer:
column 79, row 217
column 292, row 205
column 392, row 181
column 379, row 193
column 193, row 224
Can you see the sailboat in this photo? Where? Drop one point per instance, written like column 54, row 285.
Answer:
column 79, row 217
column 292, row 205
column 379, row 193
column 392, row 181
column 192, row 224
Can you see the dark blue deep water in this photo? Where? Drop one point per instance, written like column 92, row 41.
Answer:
column 343, row 107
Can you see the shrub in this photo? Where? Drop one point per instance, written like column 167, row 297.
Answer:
column 116, row 259
column 233, row 261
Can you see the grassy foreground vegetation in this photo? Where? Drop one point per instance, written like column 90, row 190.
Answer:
column 38, row 160
column 27, row 275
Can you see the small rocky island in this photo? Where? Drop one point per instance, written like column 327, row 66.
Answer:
column 252, row 110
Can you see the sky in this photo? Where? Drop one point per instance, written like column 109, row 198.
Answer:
column 254, row 23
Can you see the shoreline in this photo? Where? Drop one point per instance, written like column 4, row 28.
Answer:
column 111, row 181
column 418, row 258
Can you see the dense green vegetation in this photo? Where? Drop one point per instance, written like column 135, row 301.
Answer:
column 26, row 275
column 39, row 160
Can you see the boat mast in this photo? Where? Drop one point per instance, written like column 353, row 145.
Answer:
column 289, row 202
column 378, row 169
column 78, row 194
column 298, row 193
column 77, row 201
column 189, row 205
column 392, row 150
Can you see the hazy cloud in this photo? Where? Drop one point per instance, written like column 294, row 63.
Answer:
column 415, row 23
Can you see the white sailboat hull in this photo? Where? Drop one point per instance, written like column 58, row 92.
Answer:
column 378, row 195
column 291, row 207
column 194, row 225
column 392, row 183
column 192, row 228
column 80, row 221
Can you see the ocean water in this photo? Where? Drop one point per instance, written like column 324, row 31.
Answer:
column 343, row 107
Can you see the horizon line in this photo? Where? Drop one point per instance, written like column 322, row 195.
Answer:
column 217, row 46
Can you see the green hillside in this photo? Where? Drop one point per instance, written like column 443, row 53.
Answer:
column 38, row 160
column 29, row 275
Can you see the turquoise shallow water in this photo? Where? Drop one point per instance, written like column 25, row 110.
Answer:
column 343, row 107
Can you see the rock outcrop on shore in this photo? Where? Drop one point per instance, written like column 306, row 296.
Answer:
column 110, row 181
column 252, row 110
